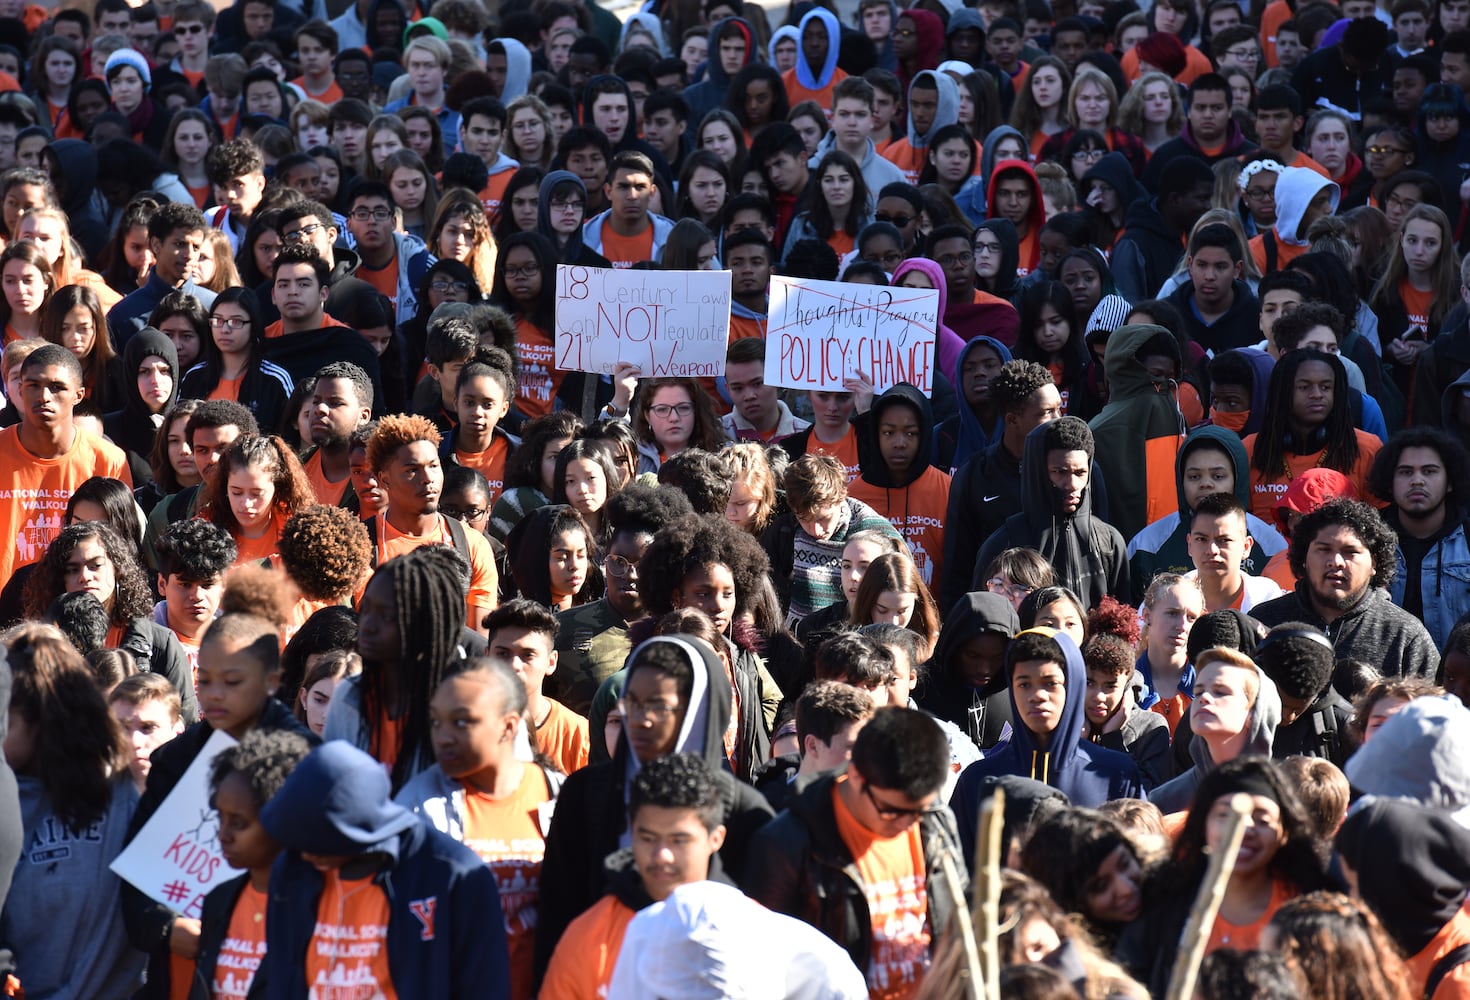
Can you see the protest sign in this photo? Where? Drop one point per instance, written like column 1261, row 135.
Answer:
column 821, row 332
column 175, row 859
column 668, row 323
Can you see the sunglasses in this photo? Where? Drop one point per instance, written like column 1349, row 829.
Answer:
column 886, row 811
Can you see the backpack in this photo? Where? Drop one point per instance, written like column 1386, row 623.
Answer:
column 1447, row 964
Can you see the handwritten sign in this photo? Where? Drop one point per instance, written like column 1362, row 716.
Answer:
column 175, row 859
column 668, row 323
column 822, row 332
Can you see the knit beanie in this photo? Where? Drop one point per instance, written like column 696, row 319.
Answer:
column 129, row 57
column 1163, row 50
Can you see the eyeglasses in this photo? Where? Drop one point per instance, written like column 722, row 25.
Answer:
column 653, row 711
column 527, row 271
column 303, row 234
column 1387, row 151
column 1260, row 194
column 442, row 285
column 664, row 411
column 372, row 214
column 464, row 513
column 1088, row 155
column 1249, row 53
column 986, row 248
column 901, row 221
column 618, row 566
column 234, row 325
column 888, row 261
column 188, row 29
column 950, row 260
column 1015, row 591
column 562, row 206
column 886, row 811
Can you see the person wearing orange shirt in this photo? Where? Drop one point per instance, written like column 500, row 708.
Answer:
column 831, row 432
column 676, row 819
column 232, row 925
column 750, row 258
column 886, row 832
column 367, row 893
column 838, row 202
column 341, row 403
column 486, row 796
column 193, row 21
column 316, row 48
column 525, row 287
column 484, row 132
column 1302, row 197
column 257, row 487
column 816, row 71
column 523, row 634
column 1015, row 195
column 628, row 232
column 482, row 398
column 392, row 262
column 934, row 102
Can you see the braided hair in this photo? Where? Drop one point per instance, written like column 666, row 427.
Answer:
column 1340, row 442
column 429, row 605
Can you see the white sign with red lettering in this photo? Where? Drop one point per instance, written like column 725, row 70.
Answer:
column 822, row 332
column 175, row 858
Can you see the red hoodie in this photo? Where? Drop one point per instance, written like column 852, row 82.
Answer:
column 1030, row 255
column 930, row 44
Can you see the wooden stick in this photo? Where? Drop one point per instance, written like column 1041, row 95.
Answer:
column 1207, row 902
column 986, row 905
column 964, row 927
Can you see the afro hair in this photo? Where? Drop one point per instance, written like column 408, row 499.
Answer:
column 645, row 510
column 265, row 758
column 326, row 552
column 694, row 542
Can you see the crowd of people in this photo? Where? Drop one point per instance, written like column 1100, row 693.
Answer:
column 541, row 682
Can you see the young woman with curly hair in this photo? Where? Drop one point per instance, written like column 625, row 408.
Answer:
column 1339, row 948
column 258, row 486
column 90, row 556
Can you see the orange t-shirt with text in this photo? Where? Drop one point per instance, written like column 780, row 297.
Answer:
column 625, row 251
column 844, row 450
column 243, row 948
column 540, row 376
column 1416, row 305
column 509, row 836
column 563, row 738
column 34, row 491
column 1266, row 491
column 917, row 512
column 493, row 193
column 902, row 154
column 348, row 953
column 490, row 463
column 893, row 879
column 328, row 493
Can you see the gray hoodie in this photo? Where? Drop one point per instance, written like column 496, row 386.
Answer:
column 1295, row 189
column 517, row 68
column 949, row 106
column 1420, row 755
column 1176, row 795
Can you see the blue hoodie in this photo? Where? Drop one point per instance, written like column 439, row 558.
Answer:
column 446, row 935
column 804, row 74
column 1088, row 774
column 960, row 437
column 517, row 68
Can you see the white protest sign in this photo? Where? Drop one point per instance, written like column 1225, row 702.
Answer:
column 821, row 332
column 175, row 859
column 668, row 323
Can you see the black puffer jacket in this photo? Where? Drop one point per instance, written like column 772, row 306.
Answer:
column 799, row 865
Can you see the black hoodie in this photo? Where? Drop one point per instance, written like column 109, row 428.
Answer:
column 915, row 502
column 78, row 163
column 983, row 713
column 1145, row 255
column 630, row 140
column 1006, row 284
column 1088, row 555
column 133, row 427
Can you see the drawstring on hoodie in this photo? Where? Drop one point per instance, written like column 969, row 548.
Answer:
column 1045, row 766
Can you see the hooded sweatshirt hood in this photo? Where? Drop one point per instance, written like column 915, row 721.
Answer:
column 816, row 78
column 1123, row 363
column 1260, row 364
column 566, row 252
column 78, row 162
column 1450, row 399
column 714, row 71
column 648, row 22
column 949, row 103
column 630, row 133
column 1223, row 440
column 973, row 438
column 1010, row 250
column 1115, row 171
column 929, row 28
column 874, row 469
column 703, row 730
column 1036, row 217
column 987, row 150
column 1419, row 755
column 1260, row 728
column 147, row 343
column 1295, row 189
column 976, row 613
column 1413, row 865
column 1048, row 764
column 1039, row 498
column 336, row 802
column 947, row 343
column 518, row 66
column 785, row 31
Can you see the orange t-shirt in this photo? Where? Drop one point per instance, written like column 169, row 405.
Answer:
column 1285, row 252
column 582, row 965
column 917, row 512
column 540, row 376
column 841, row 241
column 1265, row 492
column 1247, row 937
column 34, row 491
column 328, row 493
column 493, row 193
column 490, row 463
column 902, row 154
column 1278, row 568
column 625, row 251
column 331, row 95
column 1030, row 251
column 255, row 550
column 1172, row 709
column 563, row 738
column 243, row 947
column 1037, row 142
column 384, row 279
column 510, row 838
column 796, row 93
column 348, row 953
column 893, row 879
column 844, row 450
column 228, row 388
column 743, row 327
column 1416, row 305
column 278, row 328
column 181, row 972
column 200, row 195
column 484, row 577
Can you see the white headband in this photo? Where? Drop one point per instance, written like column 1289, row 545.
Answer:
column 1256, row 166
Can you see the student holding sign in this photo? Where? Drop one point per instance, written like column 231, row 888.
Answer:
column 61, row 917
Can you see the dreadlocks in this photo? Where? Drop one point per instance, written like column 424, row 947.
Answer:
column 1337, row 435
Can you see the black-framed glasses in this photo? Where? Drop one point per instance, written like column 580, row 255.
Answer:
column 950, row 260
column 464, row 513
column 526, row 271
column 372, row 214
column 901, row 221
column 442, row 285
column 303, row 234
column 887, row 811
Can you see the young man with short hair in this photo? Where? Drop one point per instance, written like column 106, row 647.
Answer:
column 394, row 263
column 299, row 292
column 751, row 258
column 666, row 126
column 148, row 709
column 1278, row 122
column 1219, row 545
column 236, row 169
column 1219, row 310
column 628, row 232
column 224, row 78
column 352, row 70
column 1300, row 660
column 341, row 403
column 175, row 238
column 759, row 413
column 484, row 132
column 884, row 835
column 316, row 48
column 348, row 122
column 522, row 634
column 193, row 21
column 586, row 153
column 779, row 153
column 852, row 130
column 1210, row 133
column 313, row 224
column 193, row 556
column 427, row 58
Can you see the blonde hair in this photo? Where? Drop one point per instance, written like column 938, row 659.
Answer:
column 226, row 275
column 747, row 463
column 1090, row 74
column 1055, row 183
column 1130, row 109
column 1232, row 658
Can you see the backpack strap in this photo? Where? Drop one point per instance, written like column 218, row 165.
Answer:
column 1442, row 968
column 456, row 535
